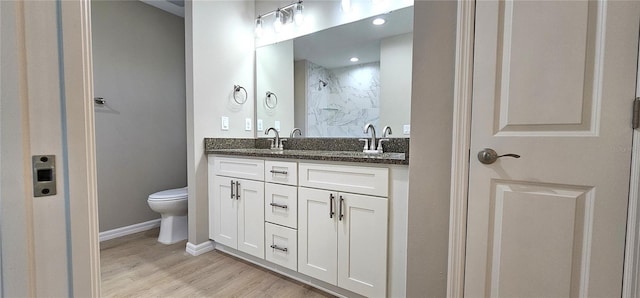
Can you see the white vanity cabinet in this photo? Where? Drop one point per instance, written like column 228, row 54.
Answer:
column 343, row 235
column 236, row 204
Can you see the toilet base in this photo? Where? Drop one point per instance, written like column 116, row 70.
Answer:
column 173, row 229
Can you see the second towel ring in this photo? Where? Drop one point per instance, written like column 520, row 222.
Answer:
column 236, row 89
column 269, row 102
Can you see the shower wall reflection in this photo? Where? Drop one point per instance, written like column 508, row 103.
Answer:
column 342, row 100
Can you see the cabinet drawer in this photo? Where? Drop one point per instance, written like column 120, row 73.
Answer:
column 363, row 180
column 281, row 204
column 239, row 167
column 281, row 172
column 281, row 246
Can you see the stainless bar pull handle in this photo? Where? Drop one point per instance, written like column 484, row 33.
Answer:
column 233, row 184
column 237, row 190
column 331, row 199
column 279, row 248
column 340, row 211
column 278, row 205
column 278, row 172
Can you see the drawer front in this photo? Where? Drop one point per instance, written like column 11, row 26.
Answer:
column 364, row 180
column 281, row 172
column 281, row 204
column 252, row 169
column 281, row 246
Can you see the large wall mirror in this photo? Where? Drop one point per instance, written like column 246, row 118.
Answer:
column 312, row 82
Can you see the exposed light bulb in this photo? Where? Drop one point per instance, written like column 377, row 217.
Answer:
column 277, row 24
column 354, row 59
column 379, row 21
column 346, row 5
column 259, row 30
column 298, row 17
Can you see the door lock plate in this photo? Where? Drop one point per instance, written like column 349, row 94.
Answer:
column 44, row 175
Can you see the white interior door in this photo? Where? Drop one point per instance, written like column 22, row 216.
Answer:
column 554, row 83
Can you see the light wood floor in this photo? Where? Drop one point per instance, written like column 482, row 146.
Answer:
column 138, row 266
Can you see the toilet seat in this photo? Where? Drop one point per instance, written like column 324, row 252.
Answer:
column 169, row 195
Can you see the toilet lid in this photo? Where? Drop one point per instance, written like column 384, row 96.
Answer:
column 170, row 194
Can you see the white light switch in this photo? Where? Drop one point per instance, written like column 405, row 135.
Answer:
column 225, row 123
column 260, row 128
column 276, row 125
column 247, row 124
column 406, row 129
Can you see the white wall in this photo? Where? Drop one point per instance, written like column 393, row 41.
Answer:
column 300, row 98
column 274, row 67
column 139, row 69
column 430, row 168
column 395, row 82
column 220, row 48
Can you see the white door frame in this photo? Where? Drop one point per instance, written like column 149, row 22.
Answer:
column 72, row 66
column 463, row 86
column 462, row 95
column 632, row 250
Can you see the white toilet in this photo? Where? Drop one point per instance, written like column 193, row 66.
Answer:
column 172, row 206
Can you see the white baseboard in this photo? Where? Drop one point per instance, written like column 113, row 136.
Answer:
column 196, row 250
column 128, row 230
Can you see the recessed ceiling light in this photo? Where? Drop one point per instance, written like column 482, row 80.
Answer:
column 379, row 21
column 354, row 59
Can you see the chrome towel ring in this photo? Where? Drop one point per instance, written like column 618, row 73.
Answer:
column 271, row 101
column 236, row 90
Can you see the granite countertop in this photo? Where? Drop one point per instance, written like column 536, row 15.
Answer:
column 342, row 150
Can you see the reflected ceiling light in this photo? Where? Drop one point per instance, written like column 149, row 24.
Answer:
column 292, row 13
column 346, row 5
column 354, row 59
column 379, row 21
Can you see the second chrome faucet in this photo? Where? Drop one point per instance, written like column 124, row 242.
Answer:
column 370, row 145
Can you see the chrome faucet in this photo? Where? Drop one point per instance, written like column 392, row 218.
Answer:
column 372, row 144
column 385, row 131
column 275, row 143
column 293, row 132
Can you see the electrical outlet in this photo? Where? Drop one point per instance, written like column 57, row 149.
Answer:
column 260, row 128
column 247, row 124
column 276, row 125
column 225, row 123
column 406, row 129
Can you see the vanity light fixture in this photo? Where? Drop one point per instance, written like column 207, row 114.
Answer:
column 379, row 21
column 292, row 13
column 259, row 30
column 298, row 17
column 354, row 59
column 277, row 23
column 345, row 5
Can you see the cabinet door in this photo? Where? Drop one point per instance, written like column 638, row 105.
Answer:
column 223, row 222
column 362, row 244
column 251, row 217
column 317, row 228
column 281, row 204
